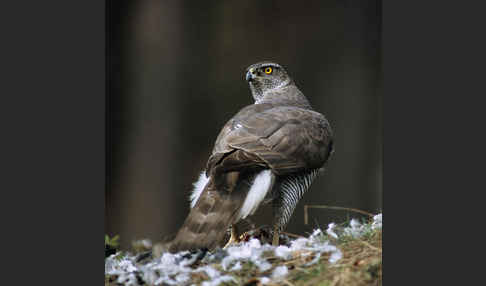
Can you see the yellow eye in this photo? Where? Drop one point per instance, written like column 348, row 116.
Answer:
column 268, row 70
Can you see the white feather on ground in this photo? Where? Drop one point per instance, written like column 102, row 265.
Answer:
column 175, row 269
column 280, row 272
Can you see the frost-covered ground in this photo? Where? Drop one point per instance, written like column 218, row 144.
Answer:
column 269, row 262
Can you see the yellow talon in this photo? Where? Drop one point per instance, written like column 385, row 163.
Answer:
column 233, row 237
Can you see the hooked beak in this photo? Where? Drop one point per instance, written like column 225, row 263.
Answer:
column 250, row 74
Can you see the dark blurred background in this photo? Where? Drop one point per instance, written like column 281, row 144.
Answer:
column 175, row 74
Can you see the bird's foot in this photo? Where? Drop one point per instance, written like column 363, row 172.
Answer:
column 266, row 234
column 276, row 236
column 231, row 241
column 233, row 238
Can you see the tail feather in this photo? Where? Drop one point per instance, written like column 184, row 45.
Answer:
column 215, row 210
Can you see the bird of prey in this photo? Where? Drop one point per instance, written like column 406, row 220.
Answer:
column 272, row 149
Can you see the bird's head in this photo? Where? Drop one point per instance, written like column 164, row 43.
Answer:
column 266, row 76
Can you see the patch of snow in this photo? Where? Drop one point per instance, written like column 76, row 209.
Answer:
column 280, row 272
column 330, row 230
column 377, row 221
column 265, row 280
column 116, row 266
column 335, row 256
column 250, row 251
column 182, row 278
column 123, row 268
column 299, row 243
column 316, row 233
column 355, row 229
column 283, row 252
column 127, row 279
column 210, row 271
column 262, row 265
column 236, row 267
column 218, row 280
column 177, row 269
column 317, row 245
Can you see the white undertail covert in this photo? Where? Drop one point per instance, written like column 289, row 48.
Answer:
column 198, row 188
column 258, row 190
column 260, row 187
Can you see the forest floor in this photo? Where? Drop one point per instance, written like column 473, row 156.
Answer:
column 349, row 253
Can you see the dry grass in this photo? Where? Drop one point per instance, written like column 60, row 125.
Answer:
column 361, row 264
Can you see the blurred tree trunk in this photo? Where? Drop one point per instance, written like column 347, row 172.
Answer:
column 144, row 182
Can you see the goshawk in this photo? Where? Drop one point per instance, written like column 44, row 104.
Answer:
column 273, row 149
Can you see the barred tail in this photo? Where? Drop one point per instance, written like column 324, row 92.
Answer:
column 215, row 210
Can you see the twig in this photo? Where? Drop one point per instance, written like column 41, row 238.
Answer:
column 335, row 280
column 306, row 208
column 287, row 282
column 292, row 261
column 291, row 234
column 370, row 246
column 302, row 269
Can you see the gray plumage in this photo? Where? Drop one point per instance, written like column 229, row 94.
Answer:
column 281, row 133
column 287, row 193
